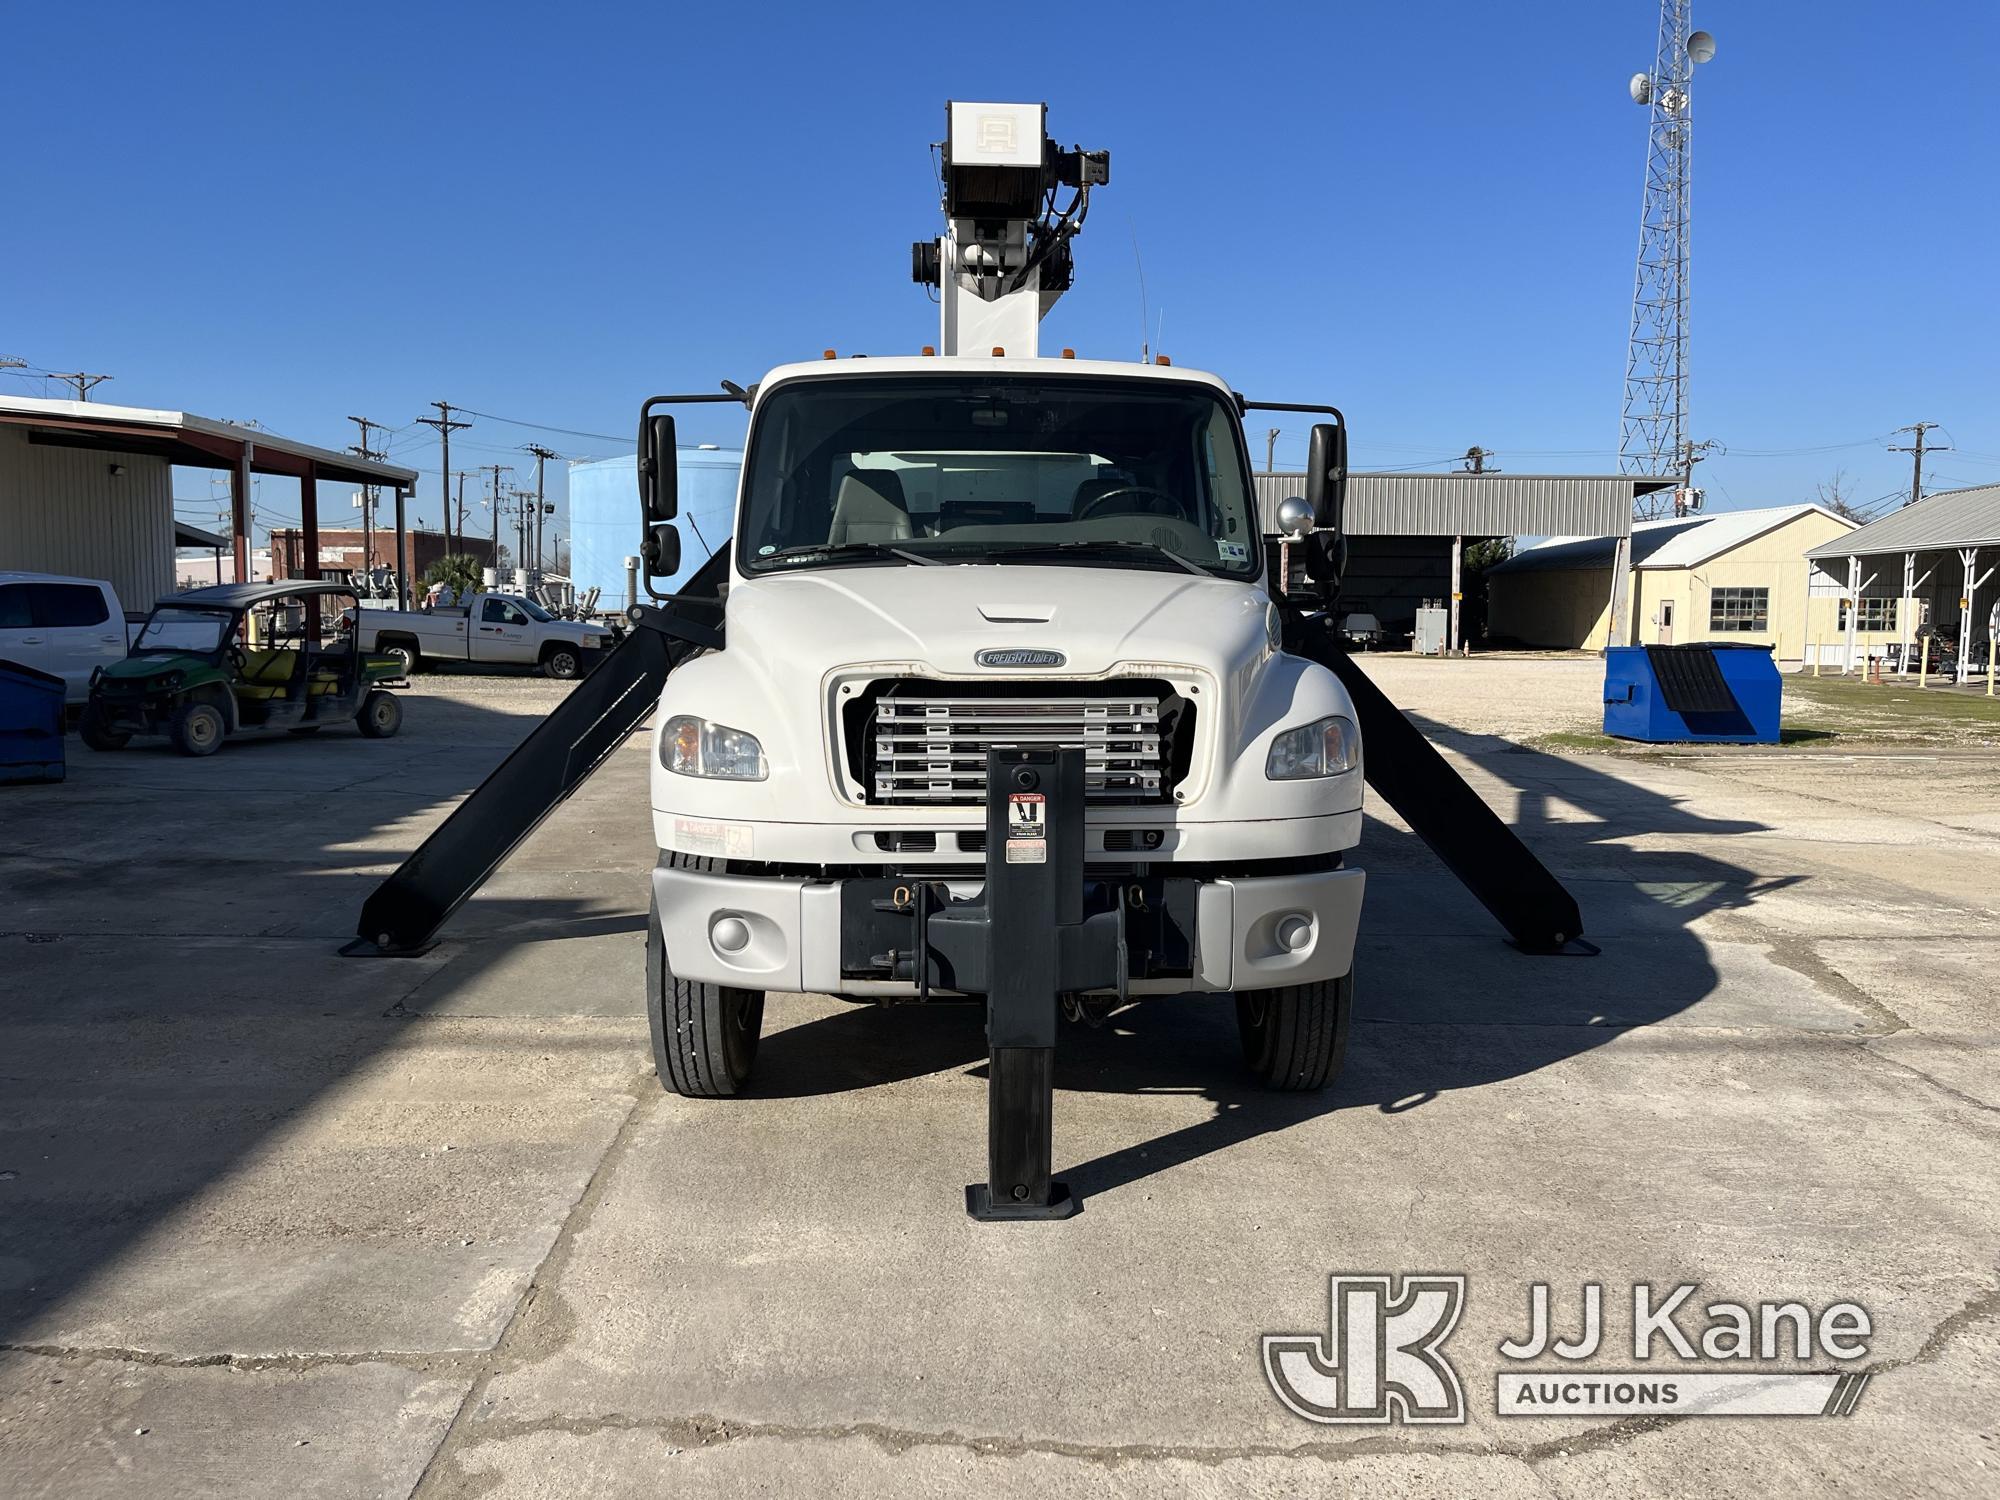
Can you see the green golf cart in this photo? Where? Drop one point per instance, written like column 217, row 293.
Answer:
column 193, row 676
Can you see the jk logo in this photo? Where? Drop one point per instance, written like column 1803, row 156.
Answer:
column 1380, row 1361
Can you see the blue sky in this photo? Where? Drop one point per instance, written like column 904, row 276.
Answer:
column 1424, row 212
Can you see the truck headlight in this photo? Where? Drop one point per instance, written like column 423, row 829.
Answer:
column 695, row 747
column 1327, row 748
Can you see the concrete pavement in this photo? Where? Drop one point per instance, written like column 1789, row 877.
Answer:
column 274, row 1222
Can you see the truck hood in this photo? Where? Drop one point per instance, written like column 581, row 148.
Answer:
column 797, row 645
column 797, row 627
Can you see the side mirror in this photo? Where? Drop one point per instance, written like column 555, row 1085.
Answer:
column 1294, row 518
column 661, row 550
column 659, row 477
column 1326, row 475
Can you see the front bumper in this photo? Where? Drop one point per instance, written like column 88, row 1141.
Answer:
column 859, row 937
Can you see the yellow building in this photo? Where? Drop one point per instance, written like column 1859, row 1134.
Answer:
column 1738, row 576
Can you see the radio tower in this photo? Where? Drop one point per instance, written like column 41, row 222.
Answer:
column 1655, row 439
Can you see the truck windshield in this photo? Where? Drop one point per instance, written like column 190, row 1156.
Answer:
column 183, row 630
column 1003, row 468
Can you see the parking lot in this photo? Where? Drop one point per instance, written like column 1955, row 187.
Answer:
column 280, row 1222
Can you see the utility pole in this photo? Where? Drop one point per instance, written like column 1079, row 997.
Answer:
column 1271, row 450
column 542, row 456
column 524, row 528
column 368, row 496
column 1687, row 498
column 82, row 382
column 1917, row 450
column 496, row 470
column 462, row 475
column 445, row 428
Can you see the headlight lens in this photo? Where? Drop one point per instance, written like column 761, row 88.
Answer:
column 1327, row 748
column 695, row 747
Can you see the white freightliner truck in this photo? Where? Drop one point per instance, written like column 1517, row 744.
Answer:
column 938, row 555
column 992, row 694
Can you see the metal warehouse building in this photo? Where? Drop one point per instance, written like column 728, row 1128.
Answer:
column 87, row 488
column 1729, row 576
column 1407, row 532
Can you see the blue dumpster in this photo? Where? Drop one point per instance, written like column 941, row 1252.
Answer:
column 31, row 724
column 1701, row 693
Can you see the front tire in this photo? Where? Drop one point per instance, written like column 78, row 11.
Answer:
column 90, row 728
column 704, row 1035
column 381, row 714
column 198, row 729
column 1295, row 1038
column 563, row 663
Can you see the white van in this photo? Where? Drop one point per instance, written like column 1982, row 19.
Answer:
column 67, row 627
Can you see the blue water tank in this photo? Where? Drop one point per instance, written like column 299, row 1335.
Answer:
column 604, row 516
column 1703, row 692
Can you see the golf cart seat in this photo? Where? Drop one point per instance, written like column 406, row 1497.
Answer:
column 266, row 674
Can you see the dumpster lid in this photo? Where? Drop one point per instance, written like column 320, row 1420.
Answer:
column 1690, row 680
column 32, row 674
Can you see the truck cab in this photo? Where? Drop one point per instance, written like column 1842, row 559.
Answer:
column 934, row 557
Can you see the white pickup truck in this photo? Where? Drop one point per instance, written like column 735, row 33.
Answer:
column 64, row 626
column 494, row 629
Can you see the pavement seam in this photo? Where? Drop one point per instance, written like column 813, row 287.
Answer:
column 704, row 1430
column 493, row 1361
column 417, row 1361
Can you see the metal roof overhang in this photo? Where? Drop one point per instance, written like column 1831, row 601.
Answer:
column 181, row 438
column 1938, row 523
column 1583, row 505
column 193, row 536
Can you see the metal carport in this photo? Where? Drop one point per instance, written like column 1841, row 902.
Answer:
column 183, row 439
column 1955, row 526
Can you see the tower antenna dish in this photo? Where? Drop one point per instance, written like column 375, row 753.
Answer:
column 1701, row 47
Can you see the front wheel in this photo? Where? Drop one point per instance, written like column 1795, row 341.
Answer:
column 704, row 1035
column 1294, row 1038
column 197, row 729
column 381, row 714
column 94, row 733
column 563, row 663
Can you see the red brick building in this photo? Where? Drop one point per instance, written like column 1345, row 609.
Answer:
column 342, row 549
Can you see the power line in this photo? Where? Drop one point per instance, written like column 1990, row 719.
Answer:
column 545, row 427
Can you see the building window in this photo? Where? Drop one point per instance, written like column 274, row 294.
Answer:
column 1876, row 614
column 1739, row 609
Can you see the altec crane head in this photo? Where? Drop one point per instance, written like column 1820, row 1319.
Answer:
column 1005, row 254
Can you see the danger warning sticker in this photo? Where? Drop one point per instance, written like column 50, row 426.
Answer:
column 1027, row 828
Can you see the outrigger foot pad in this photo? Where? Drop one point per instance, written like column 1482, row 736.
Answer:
column 980, row 1204
column 363, row 948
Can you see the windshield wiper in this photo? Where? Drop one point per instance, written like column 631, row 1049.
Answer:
column 1153, row 548
column 847, row 549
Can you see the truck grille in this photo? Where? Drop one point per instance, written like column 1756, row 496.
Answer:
column 929, row 746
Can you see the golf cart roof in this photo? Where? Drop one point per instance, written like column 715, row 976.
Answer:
column 246, row 595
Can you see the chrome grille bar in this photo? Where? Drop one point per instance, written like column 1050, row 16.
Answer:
column 932, row 749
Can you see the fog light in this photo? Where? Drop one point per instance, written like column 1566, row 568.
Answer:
column 1294, row 932
column 730, row 934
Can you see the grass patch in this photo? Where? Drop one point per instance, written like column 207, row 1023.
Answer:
column 1832, row 713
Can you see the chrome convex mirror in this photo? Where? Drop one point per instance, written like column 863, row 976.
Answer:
column 1295, row 517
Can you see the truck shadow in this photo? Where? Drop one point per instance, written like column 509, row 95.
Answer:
column 1443, row 1003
